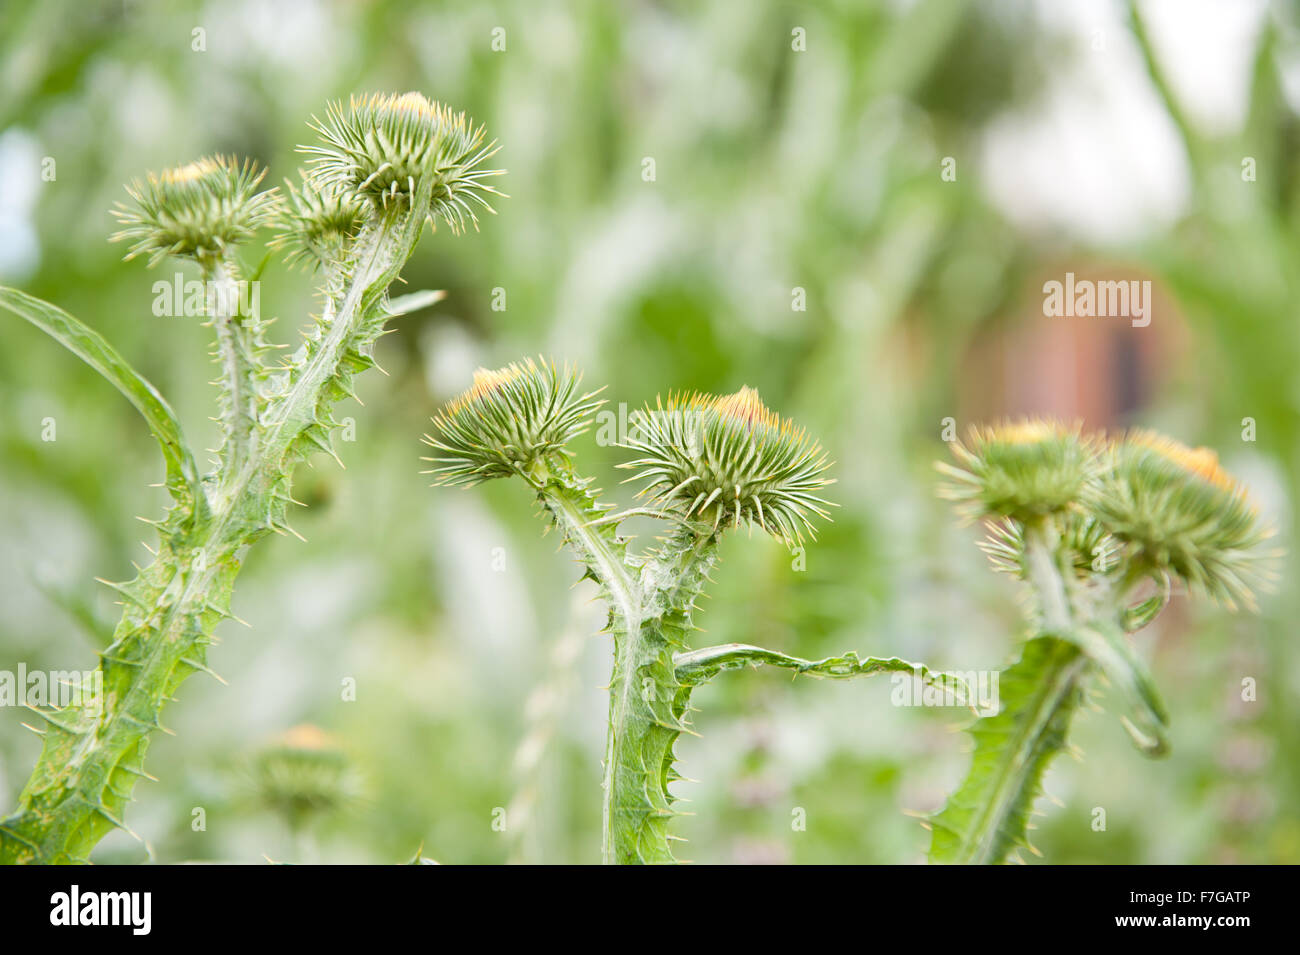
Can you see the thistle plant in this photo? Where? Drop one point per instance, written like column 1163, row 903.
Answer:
column 1101, row 531
column 706, row 465
column 383, row 167
column 303, row 775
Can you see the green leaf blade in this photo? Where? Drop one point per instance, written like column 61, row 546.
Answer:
column 987, row 818
column 92, row 348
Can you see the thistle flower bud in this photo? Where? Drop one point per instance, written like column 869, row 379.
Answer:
column 303, row 773
column 379, row 147
column 1182, row 513
column 1025, row 470
column 724, row 460
column 315, row 223
column 507, row 421
column 196, row 211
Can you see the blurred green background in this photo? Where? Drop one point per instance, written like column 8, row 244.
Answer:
column 910, row 172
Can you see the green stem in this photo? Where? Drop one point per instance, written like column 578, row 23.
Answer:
column 93, row 753
column 649, row 618
column 1081, row 628
column 648, row 704
column 1045, row 576
column 636, row 805
column 637, row 645
column 237, row 354
column 577, row 513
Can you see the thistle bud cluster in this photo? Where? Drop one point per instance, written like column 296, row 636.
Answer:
column 354, row 215
column 715, row 461
column 1137, row 502
column 372, row 157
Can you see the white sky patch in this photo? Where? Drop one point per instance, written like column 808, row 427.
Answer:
column 20, row 173
column 290, row 34
column 1207, row 48
column 1097, row 155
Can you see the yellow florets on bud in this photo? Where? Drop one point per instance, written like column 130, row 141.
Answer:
column 381, row 148
column 198, row 211
column 1025, row 470
column 507, row 421
column 1178, row 511
column 723, row 460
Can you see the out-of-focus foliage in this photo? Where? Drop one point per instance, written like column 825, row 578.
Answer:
column 781, row 178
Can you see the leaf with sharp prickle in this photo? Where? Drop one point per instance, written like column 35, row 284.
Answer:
column 987, row 818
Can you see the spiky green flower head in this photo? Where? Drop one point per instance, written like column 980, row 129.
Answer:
column 1026, row 470
column 727, row 460
column 198, row 211
column 316, row 223
column 508, row 422
column 304, row 772
column 1180, row 512
column 380, row 146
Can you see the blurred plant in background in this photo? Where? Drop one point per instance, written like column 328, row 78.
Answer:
column 302, row 776
column 852, row 207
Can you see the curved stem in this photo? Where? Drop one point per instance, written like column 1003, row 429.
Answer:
column 582, row 520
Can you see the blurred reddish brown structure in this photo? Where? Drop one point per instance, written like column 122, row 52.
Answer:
column 1100, row 370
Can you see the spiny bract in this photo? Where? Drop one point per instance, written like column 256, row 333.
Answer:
column 729, row 459
column 315, row 223
column 1180, row 512
column 195, row 211
column 378, row 147
column 1024, row 469
column 507, row 421
column 1090, row 549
